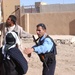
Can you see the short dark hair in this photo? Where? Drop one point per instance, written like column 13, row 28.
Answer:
column 42, row 25
column 13, row 18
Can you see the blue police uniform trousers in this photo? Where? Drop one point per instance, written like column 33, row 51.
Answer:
column 50, row 69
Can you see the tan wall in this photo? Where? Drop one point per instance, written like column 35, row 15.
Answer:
column 56, row 23
column 8, row 6
column 25, row 22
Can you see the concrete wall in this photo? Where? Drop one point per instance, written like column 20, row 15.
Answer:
column 8, row 6
column 0, row 14
column 57, row 8
column 56, row 23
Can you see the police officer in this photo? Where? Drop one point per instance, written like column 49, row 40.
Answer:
column 46, row 49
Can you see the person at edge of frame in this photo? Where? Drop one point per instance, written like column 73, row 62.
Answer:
column 11, row 25
column 46, row 49
column 12, row 61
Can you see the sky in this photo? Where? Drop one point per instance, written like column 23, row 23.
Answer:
column 32, row 2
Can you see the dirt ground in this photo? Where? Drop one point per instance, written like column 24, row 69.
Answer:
column 65, row 60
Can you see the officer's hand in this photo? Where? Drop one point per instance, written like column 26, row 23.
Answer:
column 28, row 50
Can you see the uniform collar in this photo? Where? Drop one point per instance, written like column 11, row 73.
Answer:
column 43, row 36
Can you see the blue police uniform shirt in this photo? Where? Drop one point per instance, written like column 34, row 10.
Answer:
column 45, row 47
